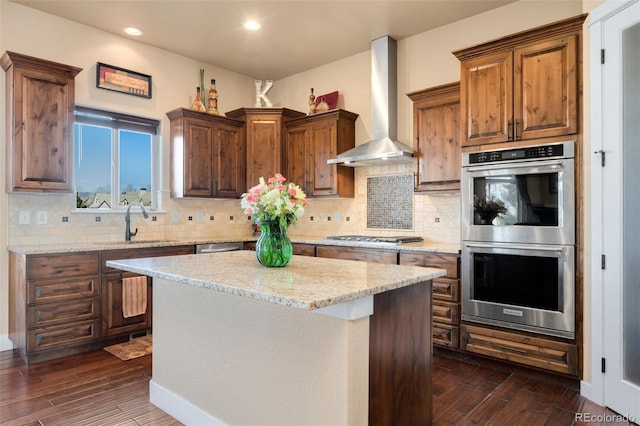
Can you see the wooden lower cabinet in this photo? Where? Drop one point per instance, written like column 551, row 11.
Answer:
column 113, row 321
column 521, row 348
column 114, row 325
column 362, row 254
column 301, row 249
column 54, row 304
column 446, row 295
column 62, row 304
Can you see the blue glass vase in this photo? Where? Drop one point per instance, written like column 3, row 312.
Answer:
column 273, row 248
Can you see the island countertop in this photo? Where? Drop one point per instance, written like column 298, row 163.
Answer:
column 305, row 283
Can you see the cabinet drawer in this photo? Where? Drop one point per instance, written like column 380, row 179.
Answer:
column 55, row 313
column 450, row 262
column 446, row 312
column 63, row 289
column 63, row 335
column 62, row 265
column 446, row 335
column 446, row 289
column 350, row 253
column 143, row 252
column 304, row 249
column 520, row 348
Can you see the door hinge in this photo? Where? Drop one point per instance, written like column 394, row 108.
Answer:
column 603, row 365
column 602, row 56
column 603, row 262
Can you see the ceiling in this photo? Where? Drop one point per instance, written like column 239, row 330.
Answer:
column 296, row 35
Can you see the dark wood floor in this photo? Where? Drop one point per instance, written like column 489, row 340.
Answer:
column 98, row 389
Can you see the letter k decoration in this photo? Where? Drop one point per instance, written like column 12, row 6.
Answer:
column 261, row 93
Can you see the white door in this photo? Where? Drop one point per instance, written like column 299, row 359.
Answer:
column 620, row 210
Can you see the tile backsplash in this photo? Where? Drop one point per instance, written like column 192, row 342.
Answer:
column 51, row 218
column 390, row 202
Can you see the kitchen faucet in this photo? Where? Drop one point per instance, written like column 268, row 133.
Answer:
column 127, row 219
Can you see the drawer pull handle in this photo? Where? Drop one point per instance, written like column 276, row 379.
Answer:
column 38, row 316
column 38, row 291
column 510, row 348
column 68, row 266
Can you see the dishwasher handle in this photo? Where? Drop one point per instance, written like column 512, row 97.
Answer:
column 218, row 248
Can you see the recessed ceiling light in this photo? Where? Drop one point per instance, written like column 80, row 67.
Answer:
column 252, row 25
column 132, row 31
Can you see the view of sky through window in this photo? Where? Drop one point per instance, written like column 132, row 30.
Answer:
column 101, row 150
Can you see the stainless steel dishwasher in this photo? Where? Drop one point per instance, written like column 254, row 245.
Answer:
column 219, row 247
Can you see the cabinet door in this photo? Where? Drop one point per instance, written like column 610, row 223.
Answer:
column 323, row 143
column 113, row 321
column 198, row 155
column 296, row 154
column 545, row 88
column 229, row 162
column 264, row 148
column 40, row 105
column 486, row 98
column 436, row 126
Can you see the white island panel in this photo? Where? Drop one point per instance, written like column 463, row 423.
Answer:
column 242, row 361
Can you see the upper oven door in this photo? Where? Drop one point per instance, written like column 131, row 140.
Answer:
column 519, row 202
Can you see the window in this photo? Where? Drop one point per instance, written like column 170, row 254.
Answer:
column 115, row 160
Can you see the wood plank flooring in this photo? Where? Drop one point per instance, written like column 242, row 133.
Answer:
column 98, row 389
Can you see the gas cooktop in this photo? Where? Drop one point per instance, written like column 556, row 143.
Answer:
column 374, row 239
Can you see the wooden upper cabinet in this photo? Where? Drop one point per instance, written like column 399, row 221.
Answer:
column 522, row 87
column 264, row 140
column 40, row 106
column 436, row 130
column 207, row 155
column 310, row 142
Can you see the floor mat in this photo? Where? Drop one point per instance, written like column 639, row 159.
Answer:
column 132, row 349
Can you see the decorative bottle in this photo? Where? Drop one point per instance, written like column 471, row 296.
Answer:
column 212, row 99
column 197, row 104
column 312, row 102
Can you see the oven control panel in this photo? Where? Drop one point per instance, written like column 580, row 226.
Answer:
column 524, row 153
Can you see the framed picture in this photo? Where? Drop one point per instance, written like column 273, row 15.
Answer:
column 121, row 80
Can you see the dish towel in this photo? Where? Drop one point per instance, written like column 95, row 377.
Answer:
column 134, row 296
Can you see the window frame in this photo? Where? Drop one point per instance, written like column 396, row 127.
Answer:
column 116, row 122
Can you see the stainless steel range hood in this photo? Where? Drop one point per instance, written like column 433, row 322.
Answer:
column 383, row 148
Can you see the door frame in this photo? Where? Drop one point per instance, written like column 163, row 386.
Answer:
column 595, row 389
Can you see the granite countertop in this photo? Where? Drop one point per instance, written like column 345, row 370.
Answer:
column 424, row 246
column 306, row 282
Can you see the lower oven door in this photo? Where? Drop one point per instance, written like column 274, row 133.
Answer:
column 528, row 287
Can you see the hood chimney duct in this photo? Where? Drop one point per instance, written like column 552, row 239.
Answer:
column 383, row 148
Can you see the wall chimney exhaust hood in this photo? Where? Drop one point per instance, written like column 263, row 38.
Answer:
column 383, row 148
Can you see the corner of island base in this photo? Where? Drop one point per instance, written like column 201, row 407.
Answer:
column 223, row 359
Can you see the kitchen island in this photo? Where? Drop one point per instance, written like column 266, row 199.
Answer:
column 319, row 342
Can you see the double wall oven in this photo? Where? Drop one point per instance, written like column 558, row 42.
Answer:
column 518, row 238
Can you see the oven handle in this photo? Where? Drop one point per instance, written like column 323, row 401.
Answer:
column 553, row 165
column 516, row 246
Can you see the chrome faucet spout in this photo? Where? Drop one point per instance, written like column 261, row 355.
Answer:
column 128, row 233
